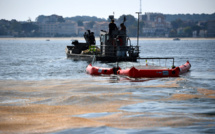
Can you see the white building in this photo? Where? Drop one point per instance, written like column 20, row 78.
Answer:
column 155, row 24
column 67, row 28
column 100, row 26
column 59, row 28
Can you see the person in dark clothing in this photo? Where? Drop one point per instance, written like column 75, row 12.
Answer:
column 92, row 39
column 122, row 27
column 87, row 36
column 112, row 27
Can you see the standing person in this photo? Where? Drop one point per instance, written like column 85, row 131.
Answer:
column 121, row 48
column 92, row 39
column 122, row 27
column 112, row 27
column 122, row 38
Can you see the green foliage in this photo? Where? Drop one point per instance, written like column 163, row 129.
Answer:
column 60, row 19
column 173, row 33
column 188, row 28
column 130, row 23
column 187, row 17
column 29, row 27
column 188, row 31
column 90, row 24
column 80, row 23
column 177, row 23
column 130, row 20
column 132, row 31
column 196, row 28
column 16, row 28
column 85, row 18
column 183, row 25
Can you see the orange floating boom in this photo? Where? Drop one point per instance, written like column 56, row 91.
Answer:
column 152, row 73
column 185, row 68
column 92, row 70
column 139, row 73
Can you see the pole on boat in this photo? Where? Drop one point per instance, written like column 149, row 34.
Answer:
column 138, row 29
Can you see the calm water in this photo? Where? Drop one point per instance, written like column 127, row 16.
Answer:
column 178, row 105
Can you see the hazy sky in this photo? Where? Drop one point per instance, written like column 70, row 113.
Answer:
column 21, row 10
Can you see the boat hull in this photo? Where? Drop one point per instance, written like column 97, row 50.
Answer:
column 101, row 58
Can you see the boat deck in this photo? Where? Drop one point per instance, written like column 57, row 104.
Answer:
column 100, row 58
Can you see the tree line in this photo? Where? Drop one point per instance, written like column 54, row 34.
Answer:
column 18, row 29
column 188, row 23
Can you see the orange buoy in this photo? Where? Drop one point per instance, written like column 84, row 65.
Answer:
column 185, row 68
column 93, row 70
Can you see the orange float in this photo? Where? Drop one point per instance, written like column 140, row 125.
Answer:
column 152, row 73
column 184, row 68
column 93, row 70
column 138, row 73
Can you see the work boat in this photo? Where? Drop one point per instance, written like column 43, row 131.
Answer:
column 114, row 48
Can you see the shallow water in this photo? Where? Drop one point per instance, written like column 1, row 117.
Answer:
column 41, row 91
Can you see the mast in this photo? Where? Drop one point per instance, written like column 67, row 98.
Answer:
column 140, row 5
column 138, row 29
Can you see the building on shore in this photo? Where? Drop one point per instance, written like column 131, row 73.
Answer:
column 211, row 29
column 58, row 29
column 155, row 25
column 55, row 25
column 98, row 26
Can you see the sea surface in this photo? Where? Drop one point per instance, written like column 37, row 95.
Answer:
column 43, row 91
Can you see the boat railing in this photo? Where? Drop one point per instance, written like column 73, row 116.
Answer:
column 158, row 59
column 115, row 50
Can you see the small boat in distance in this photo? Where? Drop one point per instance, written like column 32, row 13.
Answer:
column 176, row 39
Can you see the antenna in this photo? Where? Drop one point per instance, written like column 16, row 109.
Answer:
column 141, row 6
column 140, row 9
column 138, row 29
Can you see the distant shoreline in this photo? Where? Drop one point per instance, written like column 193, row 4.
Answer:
column 97, row 38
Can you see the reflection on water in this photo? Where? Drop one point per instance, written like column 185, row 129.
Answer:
column 41, row 91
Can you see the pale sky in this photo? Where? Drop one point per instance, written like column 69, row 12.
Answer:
column 22, row 10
